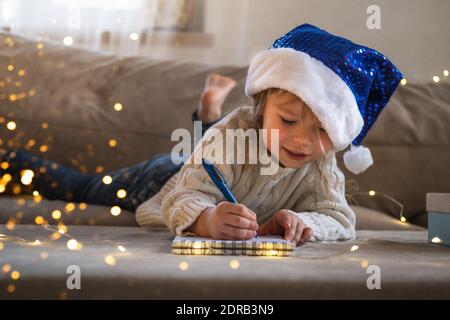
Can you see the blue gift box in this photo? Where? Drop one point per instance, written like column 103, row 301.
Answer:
column 438, row 208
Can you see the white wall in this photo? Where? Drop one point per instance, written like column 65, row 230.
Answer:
column 414, row 33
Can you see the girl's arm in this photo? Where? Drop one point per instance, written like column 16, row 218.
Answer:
column 330, row 219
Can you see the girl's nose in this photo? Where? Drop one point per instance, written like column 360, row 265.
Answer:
column 301, row 137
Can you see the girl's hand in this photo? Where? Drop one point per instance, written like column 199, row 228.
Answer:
column 286, row 223
column 231, row 221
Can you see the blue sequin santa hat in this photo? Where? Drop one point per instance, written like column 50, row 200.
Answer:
column 346, row 85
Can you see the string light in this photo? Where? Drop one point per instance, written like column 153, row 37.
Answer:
column 134, row 36
column 436, row 240
column 107, row 179
column 121, row 248
column 350, row 196
column 11, row 125
column 403, row 82
column 26, row 176
column 121, row 193
column 15, row 275
column 436, row 79
column 112, row 143
column 110, row 260
column 354, row 248
column 234, row 264
column 118, row 106
column 68, row 40
column 183, row 265
column 364, row 264
column 56, row 214
column 445, row 72
column 115, row 211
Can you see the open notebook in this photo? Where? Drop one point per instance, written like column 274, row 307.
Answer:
column 263, row 246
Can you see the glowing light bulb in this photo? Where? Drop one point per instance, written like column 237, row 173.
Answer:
column 110, row 260
column 403, row 82
column 121, row 193
column 112, row 143
column 234, row 264
column 115, row 211
column 183, row 265
column 134, row 36
column 26, row 176
column 436, row 79
column 436, row 240
column 445, row 72
column 403, row 219
column 73, row 244
column 371, row 193
column 354, row 248
column 39, row 220
column 15, row 275
column 107, row 179
column 68, row 40
column 118, row 106
column 11, row 125
column 56, row 214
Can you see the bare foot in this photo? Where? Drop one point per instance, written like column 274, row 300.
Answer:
column 217, row 88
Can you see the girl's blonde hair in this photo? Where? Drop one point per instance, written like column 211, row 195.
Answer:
column 259, row 103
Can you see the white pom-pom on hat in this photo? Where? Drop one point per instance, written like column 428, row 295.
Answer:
column 358, row 159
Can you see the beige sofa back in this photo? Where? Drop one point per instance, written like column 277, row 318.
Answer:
column 65, row 100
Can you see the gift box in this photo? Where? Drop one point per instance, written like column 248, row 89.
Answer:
column 438, row 208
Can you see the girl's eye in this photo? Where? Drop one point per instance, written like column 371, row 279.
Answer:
column 288, row 121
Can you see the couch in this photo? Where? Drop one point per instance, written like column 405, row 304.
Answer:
column 62, row 100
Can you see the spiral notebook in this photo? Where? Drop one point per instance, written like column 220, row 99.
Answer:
column 262, row 246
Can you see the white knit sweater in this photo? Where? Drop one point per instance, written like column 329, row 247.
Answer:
column 186, row 194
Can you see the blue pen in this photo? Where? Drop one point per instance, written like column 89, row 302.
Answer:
column 219, row 181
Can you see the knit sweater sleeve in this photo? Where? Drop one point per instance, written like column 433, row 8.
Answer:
column 329, row 216
column 194, row 191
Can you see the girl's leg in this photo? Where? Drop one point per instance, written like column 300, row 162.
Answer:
column 57, row 182
column 209, row 111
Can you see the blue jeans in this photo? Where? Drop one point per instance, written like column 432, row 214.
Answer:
column 57, row 182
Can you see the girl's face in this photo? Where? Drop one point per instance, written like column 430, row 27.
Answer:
column 302, row 138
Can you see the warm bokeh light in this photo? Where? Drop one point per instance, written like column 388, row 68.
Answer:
column 56, row 214
column 371, row 193
column 118, row 106
column 403, row 82
column 15, row 275
column 68, row 40
column 26, row 176
column 183, row 265
column 39, row 220
column 436, row 79
column 107, row 179
column 110, row 260
column 11, row 125
column 121, row 193
column 115, row 211
column 234, row 264
column 112, row 143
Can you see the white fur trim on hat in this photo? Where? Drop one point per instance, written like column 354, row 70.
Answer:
column 327, row 95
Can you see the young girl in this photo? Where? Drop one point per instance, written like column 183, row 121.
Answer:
column 320, row 93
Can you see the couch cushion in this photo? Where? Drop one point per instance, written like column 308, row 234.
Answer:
column 24, row 210
column 410, row 267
